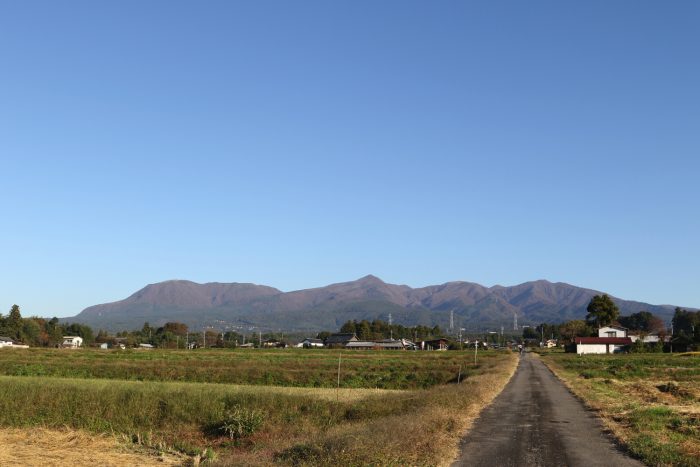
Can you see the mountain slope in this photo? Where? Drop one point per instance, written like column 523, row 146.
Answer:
column 240, row 305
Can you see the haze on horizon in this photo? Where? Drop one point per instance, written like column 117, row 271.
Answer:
column 297, row 145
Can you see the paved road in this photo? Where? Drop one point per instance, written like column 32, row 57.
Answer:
column 536, row 421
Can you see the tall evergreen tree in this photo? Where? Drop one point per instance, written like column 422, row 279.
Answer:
column 602, row 311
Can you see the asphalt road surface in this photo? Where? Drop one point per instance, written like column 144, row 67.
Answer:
column 536, row 421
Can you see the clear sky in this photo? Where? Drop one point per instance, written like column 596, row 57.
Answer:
column 295, row 144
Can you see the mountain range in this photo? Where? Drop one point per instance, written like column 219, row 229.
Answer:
column 249, row 306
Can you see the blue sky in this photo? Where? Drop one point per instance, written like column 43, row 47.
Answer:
column 296, row 144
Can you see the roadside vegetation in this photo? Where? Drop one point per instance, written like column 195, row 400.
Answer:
column 650, row 402
column 165, row 400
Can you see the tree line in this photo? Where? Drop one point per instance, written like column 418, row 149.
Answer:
column 40, row 332
column 684, row 332
column 602, row 311
column 378, row 329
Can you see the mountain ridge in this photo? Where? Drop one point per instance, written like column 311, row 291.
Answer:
column 248, row 305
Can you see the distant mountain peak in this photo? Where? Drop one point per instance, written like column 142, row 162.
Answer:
column 370, row 278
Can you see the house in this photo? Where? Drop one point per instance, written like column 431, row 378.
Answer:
column 361, row 345
column 146, row 346
column 72, row 342
column 393, row 344
column 310, row 342
column 11, row 344
column 612, row 331
column 6, row 342
column 601, row 345
column 274, row 344
column 648, row 338
column 550, row 343
column 340, row 339
column 434, row 344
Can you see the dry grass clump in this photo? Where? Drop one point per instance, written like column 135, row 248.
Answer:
column 44, row 447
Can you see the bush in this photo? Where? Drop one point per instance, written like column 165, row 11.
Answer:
column 241, row 422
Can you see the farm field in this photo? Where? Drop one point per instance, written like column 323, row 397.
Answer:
column 650, row 402
column 391, row 408
column 277, row 367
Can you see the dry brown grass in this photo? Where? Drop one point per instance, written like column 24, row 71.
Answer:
column 618, row 404
column 44, row 447
column 427, row 434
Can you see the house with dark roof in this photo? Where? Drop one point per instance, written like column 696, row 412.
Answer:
column 6, row 341
column 340, row 339
column 311, row 342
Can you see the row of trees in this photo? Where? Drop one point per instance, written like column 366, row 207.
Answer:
column 602, row 311
column 40, row 332
column 378, row 329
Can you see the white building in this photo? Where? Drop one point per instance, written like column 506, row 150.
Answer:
column 6, row 342
column 310, row 342
column 612, row 331
column 72, row 342
column 601, row 345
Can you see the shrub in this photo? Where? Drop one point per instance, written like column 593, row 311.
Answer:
column 241, row 422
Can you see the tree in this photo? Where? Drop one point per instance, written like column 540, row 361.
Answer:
column 364, row 330
column 686, row 327
column 178, row 329
column 602, row 311
column 350, row 327
column 574, row 328
column 643, row 321
column 13, row 323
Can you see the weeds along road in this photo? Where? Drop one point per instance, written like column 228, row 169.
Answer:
column 536, row 421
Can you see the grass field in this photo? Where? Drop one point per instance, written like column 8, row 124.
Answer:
column 651, row 402
column 392, row 408
column 290, row 367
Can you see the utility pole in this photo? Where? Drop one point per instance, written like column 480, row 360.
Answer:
column 337, row 393
column 452, row 321
column 204, row 335
column 391, row 329
column 542, row 331
column 515, row 322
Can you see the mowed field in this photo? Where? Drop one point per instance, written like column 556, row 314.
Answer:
column 651, row 402
column 258, row 407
